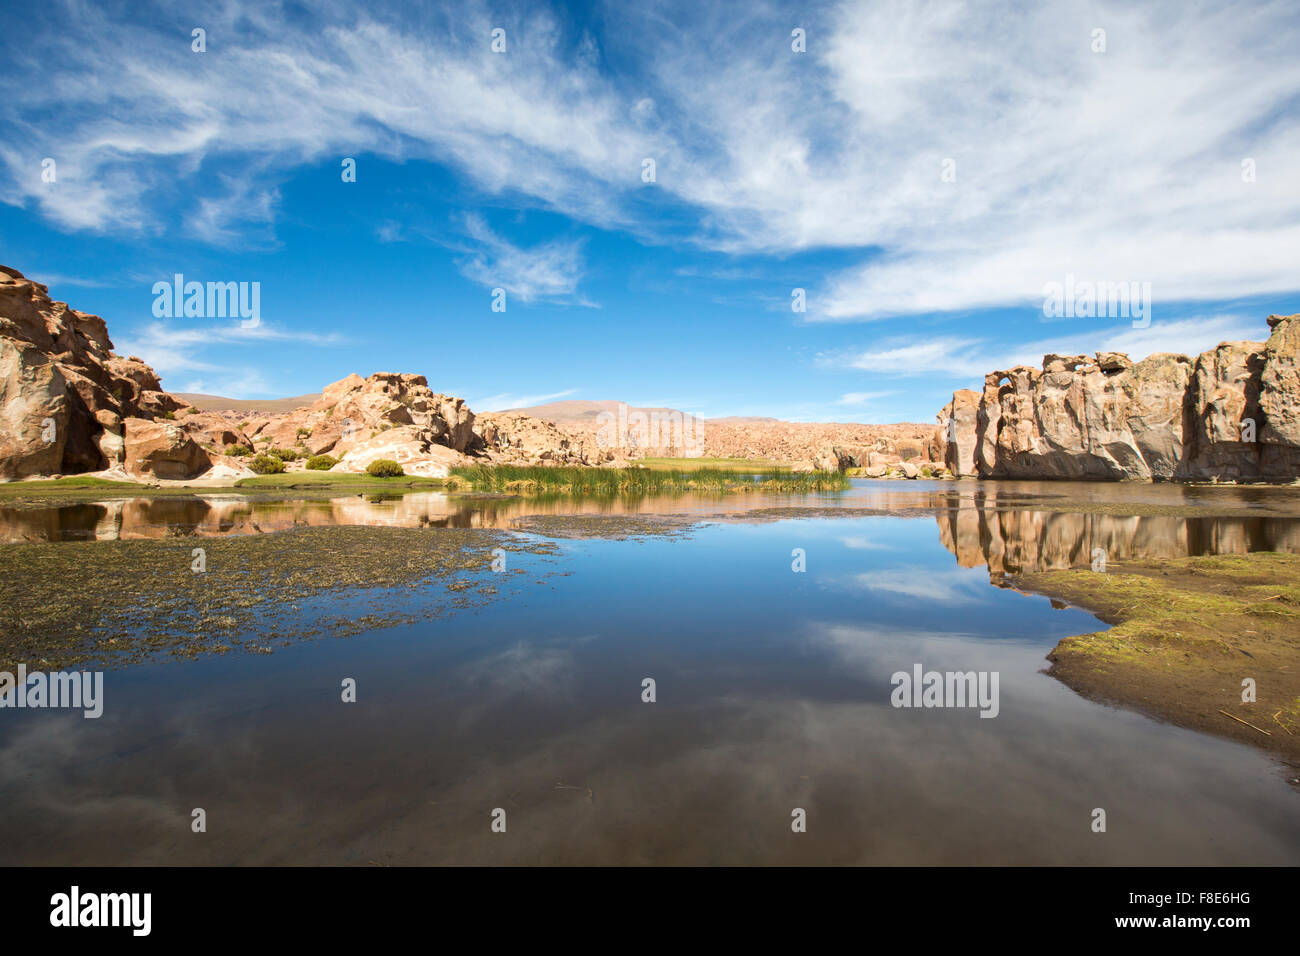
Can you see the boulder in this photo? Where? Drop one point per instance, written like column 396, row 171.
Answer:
column 411, row 447
column 34, row 412
column 161, row 449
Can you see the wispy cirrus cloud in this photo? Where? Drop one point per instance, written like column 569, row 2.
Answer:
column 943, row 356
column 758, row 149
column 547, row 271
column 173, row 350
column 504, row 400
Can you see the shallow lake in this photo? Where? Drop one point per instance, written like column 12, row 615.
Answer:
column 772, row 695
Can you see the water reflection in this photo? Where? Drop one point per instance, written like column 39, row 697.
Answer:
column 1015, row 541
column 981, row 523
column 773, row 693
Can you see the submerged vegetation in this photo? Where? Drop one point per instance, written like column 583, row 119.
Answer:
column 623, row 481
column 137, row 600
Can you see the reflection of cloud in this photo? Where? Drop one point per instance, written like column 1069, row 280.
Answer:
column 522, row 669
column 711, row 778
column 874, row 653
column 860, row 543
column 925, row 584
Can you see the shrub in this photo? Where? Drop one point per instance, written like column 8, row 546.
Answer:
column 170, row 416
column 321, row 462
column 238, row 451
column 384, row 468
column 284, row 454
column 266, row 465
column 304, row 432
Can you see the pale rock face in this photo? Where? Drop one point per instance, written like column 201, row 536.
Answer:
column 959, row 442
column 65, row 369
column 161, row 449
column 1163, row 418
column 514, row 439
column 34, row 410
column 1224, row 394
column 1279, row 397
column 353, row 410
column 411, row 447
column 228, row 469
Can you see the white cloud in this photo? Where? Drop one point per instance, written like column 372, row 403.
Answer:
column 172, row 350
column 546, row 271
column 1123, row 165
column 946, row 357
column 861, row 398
column 504, row 400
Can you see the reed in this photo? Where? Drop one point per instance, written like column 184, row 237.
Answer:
column 647, row 481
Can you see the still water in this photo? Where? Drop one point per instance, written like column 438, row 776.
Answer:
column 772, row 695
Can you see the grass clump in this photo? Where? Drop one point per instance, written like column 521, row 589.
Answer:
column 321, row 462
column 238, row 451
column 267, row 465
column 384, row 468
column 285, row 454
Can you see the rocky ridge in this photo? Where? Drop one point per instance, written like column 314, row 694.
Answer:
column 1230, row 414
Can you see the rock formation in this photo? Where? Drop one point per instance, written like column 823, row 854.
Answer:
column 67, row 403
column 1232, row 414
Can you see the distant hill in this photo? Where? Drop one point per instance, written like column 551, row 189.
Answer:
column 586, row 412
column 580, row 411
column 274, row 406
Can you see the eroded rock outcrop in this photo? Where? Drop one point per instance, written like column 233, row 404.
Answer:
column 1229, row 415
column 510, row 438
column 68, row 404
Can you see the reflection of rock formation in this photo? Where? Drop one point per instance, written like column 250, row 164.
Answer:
column 1229, row 414
column 216, row 515
column 1014, row 541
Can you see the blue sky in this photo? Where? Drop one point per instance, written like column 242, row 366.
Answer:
column 774, row 170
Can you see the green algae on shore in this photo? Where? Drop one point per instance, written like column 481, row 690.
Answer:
column 1186, row 634
column 121, row 602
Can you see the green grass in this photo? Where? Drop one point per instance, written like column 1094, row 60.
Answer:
column 331, row 479
column 650, row 481
column 15, row 488
column 763, row 465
